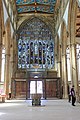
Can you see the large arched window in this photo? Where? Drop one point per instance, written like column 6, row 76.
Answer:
column 35, row 45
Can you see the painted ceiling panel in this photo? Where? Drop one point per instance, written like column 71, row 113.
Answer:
column 43, row 6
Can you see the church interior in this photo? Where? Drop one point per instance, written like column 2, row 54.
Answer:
column 39, row 48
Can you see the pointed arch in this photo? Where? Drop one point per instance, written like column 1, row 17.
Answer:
column 38, row 36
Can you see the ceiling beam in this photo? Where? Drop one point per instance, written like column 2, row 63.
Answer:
column 41, row 12
column 35, row 4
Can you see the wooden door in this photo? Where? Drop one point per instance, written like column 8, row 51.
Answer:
column 51, row 89
column 20, row 89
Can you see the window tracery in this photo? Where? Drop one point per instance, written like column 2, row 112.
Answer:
column 35, row 45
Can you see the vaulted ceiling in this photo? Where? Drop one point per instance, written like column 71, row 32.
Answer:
column 20, row 10
column 35, row 6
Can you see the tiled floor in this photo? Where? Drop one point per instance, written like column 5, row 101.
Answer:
column 53, row 110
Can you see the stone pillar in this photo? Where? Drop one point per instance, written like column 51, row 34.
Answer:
column 74, row 70
column 7, row 60
column 14, row 57
column 0, row 40
column 64, row 76
column 59, row 61
column 59, row 64
column 56, row 54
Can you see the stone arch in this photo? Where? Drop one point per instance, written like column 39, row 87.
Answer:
column 69, row 22
column 48, row 22
column 77, row 23
column 78, row 44
column 36, row 34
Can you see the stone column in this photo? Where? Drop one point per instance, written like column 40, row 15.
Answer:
column 64, row 76
column 56, row 54
column 14, row 57
column 59, row 63
column 74, row 70
column 0, row 40
column 14, row 66
column 7, row 60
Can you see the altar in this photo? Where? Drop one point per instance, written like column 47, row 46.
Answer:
column 36, row 99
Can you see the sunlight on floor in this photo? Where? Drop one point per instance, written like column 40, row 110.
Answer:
column 2, row 113
column 10, row 103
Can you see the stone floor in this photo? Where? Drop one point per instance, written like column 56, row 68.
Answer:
column 50, row 110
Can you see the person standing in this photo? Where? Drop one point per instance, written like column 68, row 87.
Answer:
column 73, row 95
column 69, row 95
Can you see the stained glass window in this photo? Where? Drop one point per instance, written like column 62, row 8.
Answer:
column 24, row 6
column 35, row 45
